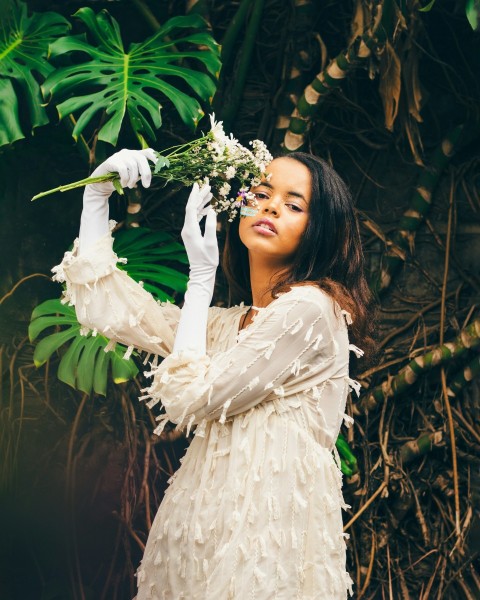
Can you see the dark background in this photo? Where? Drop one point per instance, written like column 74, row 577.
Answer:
column 74, row 513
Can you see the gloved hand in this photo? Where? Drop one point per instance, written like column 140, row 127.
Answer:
column 131, row 165
column 203, row 257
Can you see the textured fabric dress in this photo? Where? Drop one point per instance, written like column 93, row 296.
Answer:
column 254, row 511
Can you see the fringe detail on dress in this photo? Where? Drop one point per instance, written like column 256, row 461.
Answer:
column 358, row 351
column 354, row 385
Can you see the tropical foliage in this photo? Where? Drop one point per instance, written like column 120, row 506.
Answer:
column 24, row 41
column 107, row 79
column 388, row 92
column 86, row 362
column 131, row 83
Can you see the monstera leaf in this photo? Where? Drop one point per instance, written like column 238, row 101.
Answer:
column 84, row 365
column 145, row 251
column 132, row 82
column 24, row 44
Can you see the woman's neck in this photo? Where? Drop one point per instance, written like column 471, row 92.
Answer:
column 263, row 276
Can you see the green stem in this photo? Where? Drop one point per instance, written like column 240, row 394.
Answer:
column 147, row 14
column 294, row 80
column 233, row 31
column 245, row 64
column 393, row 387
column 175, row 150
column 419, row 447
column 172, row 151
column 199, row 7
column 468, row 373
column 81, row 144
column 419, row 207
column 82, row 182
column 326, row 82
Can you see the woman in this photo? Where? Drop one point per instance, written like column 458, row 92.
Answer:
column 255, row 509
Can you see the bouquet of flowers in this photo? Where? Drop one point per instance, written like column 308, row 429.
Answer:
column 215, row 158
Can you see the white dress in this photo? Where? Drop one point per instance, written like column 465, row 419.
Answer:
column 254, row 511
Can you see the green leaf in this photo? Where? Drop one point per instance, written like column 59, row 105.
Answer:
column 84, row 365
column 39, row 324
column 48, row 345
column 348, row 459
column 121, row 369
column 472, row 10
column 142, row 248
column 164, row 276
column 428, row 7
column 131, row 84
column 100, row 373
column 139, row 238
column 10, row 130
column 162, row 162
column 50, row 306
column 68, row 365
column 24, row 44
column 158, row 293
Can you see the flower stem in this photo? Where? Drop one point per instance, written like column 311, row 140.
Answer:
column 82, row 182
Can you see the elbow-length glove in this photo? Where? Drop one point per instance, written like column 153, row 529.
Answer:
column 203, row 257
column 131, row 165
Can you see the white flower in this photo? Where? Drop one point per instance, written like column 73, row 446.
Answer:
column 232, row 144
column 217, row 147
column 230, row 172
column 225, row 189
column 217, row 129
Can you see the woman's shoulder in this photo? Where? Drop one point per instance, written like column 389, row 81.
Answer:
column 221, row 314
column 300, row 297
column 311, row 294
column 224, row 310
column 307, row 292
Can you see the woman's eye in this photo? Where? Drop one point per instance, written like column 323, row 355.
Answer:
column 295, row 207
column 261, row 195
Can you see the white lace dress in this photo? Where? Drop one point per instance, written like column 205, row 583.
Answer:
column 254, row 511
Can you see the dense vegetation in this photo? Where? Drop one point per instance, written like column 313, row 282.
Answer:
column 386, row 91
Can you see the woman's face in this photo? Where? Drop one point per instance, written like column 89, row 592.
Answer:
column 283, row 200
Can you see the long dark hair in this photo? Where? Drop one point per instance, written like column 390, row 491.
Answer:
column 330, row 253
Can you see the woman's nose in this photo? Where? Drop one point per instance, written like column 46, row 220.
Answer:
column 271, row 206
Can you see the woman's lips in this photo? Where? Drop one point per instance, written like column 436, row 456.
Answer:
column 265, row 227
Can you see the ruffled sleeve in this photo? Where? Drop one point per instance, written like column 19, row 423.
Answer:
column 290, row 346
column 110, row 302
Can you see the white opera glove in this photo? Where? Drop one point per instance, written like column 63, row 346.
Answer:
column 131, row 165
column 203, row 257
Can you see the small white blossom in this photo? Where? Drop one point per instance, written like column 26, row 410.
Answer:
column 216, row 129
column 217, row 159
column 225, row 189
column 230, row 172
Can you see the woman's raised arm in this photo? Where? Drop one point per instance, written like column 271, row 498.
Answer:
column 106, row 299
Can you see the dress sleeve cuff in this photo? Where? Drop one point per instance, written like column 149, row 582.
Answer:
column 178, row 371
column 97, row 261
